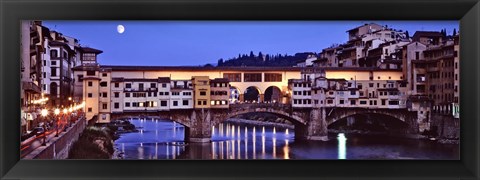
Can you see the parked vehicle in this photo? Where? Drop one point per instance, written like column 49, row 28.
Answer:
column 38, row 131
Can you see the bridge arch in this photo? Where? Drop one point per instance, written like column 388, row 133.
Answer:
column 235, row 95
column 278, row 111
column 334, row 115
column 252, row 94
column 273, row 94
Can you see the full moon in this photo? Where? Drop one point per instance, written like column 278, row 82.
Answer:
column 120, row 29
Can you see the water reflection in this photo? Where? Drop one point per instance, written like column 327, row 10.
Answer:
column 159, row 139
column 238, row 144
column 342, row 148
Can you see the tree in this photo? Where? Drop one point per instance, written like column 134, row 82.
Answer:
column 251, row 54
column 406, row 34
column 220, row 62
column 454, row 31
column 260, row 55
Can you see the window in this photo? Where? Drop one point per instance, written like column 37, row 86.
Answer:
column 90, row 95
column 252, row 77
column 233, row 77
column 273, row 77
column 53, row 71
column 163, row 103
column 153, row 85
column 363, row 102
column 383, row 102
column 394, row 102
column 352, row 102
column 187, row 93
column 104, row 74
column 80, row 78
column 116, row 105
column 212, row 102
column 185, row 102
column 166, row 93
column 127, row 94
column 342, row 101
column 117, row 94
column 164, row 85
column 203, row 93
column 104, row 94
column 178, row 93
column 175, row 103
column 103, row 84
column 53, row 63
column 117, row 85
column 128, row 85
column 199, row 103
column 127, row 104
column 90, row 73
column 104, row 106
column 140, row 86
column 204, row 102
column 89, row 109
column 53, row 53
column 417, row 55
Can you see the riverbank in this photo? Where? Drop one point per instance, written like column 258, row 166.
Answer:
column 260, row 123
column 441, row 140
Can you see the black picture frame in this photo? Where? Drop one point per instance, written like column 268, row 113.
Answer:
column 11, row 12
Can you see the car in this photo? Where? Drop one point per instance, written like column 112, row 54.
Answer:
column 38, row 131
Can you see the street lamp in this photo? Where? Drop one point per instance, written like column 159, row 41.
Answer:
column 57, row 112
column 65, row 111
column 44, row 113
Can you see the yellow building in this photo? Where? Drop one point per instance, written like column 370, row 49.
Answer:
column 201, row 88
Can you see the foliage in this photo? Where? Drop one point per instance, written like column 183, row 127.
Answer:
column 94, row 143
column 264, row 59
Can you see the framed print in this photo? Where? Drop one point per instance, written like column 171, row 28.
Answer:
column 214, row 89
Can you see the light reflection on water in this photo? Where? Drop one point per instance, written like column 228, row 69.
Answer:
column 158, row 139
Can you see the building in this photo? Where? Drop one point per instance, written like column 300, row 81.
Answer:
column 201, row 86
column 219, row 93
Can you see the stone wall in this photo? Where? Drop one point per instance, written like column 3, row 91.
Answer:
column 58, row 147
column 445, row 126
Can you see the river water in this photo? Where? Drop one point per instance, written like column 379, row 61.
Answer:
column 159, row 139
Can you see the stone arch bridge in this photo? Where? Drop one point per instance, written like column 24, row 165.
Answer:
column 310, row 123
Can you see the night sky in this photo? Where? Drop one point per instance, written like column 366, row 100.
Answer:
column 173, row 43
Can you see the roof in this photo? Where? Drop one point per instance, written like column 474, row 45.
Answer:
column 194, row 68
column 163, row 79
column 57, row 43
column 220, row 80
column 90, row 50
column 419, row 34
column 362, row 26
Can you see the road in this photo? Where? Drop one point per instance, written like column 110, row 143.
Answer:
column 35, row 142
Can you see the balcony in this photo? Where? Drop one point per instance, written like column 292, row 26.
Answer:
column 32, row 87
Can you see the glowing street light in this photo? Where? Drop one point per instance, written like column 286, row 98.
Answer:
column 56, row 112
column 44, row 114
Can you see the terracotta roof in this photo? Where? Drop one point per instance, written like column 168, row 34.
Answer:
column 90, row 50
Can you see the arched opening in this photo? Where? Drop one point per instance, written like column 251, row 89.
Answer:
column 252, row 94
column 273, row 94
column 234, row 95
column 53, row 89
column 370, row 123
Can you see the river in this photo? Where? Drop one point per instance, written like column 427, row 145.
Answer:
column 159, row 139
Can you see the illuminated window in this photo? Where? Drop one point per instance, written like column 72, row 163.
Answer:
column 212, row 102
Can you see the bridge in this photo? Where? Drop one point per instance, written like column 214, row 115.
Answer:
column 310, row 123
